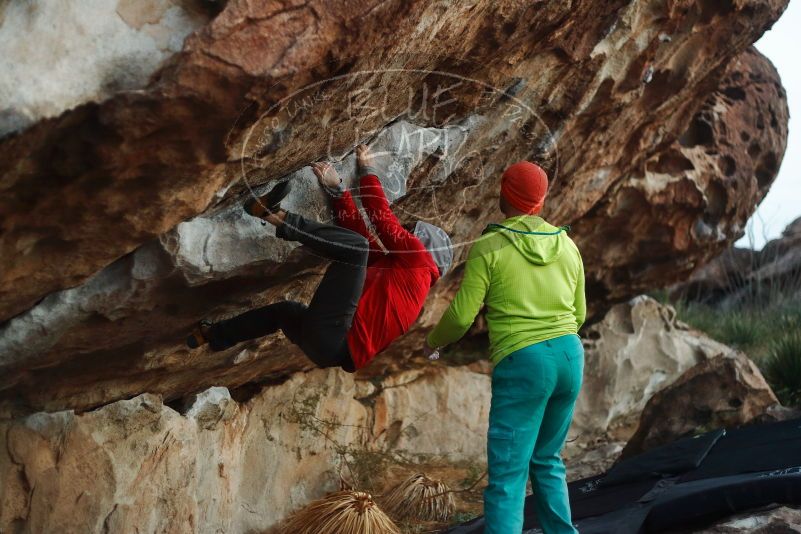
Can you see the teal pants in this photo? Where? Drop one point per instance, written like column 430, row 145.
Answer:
column 534, row 390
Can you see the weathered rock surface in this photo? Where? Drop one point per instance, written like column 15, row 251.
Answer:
column 57, row 56
column 120, row 217
column 654, row 212
column 139, row 466
column 230, row 463
column 741, row 275
column 780, row 520
column 130, row 138
column 201, row 119
column 638, row 349
column 725, row 391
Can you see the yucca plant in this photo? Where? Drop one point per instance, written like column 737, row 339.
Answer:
column 342, row 512
column 783, row 368
column 419, row 498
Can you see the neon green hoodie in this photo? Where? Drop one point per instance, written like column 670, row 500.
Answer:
column 531, row 277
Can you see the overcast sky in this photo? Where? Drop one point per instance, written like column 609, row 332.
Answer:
column 782, row 205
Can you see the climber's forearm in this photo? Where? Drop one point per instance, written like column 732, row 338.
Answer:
column 389, row 229
column 347, row 214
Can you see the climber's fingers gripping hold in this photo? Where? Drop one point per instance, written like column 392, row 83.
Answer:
column 363, row 156
column 326, row 174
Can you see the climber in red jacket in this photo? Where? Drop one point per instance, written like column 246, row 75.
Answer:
column 367, row 297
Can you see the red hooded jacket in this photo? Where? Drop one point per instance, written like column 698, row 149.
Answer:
column 397, row 281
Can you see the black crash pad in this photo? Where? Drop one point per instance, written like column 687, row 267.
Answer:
column 688, row 483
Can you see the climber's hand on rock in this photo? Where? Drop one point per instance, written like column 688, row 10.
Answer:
column 364, row 157
column 326, row 174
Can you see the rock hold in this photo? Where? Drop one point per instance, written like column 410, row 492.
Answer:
column 211, row 407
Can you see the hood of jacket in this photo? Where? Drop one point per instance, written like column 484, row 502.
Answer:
column 438, row 244
column 539, row 242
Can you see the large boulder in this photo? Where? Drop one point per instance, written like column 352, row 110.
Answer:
column 638, row 349
column 725, row 391
column 660, row 127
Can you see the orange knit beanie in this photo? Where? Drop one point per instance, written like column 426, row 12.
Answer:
column 524, row 185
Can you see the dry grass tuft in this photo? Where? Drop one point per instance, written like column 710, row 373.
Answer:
column 419, row 498
column 343, row 512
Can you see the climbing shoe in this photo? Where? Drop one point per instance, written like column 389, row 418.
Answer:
column 199, row 335
column 265, row 204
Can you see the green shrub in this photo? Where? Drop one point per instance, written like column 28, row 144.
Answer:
column 698, row 316
column 739, row 329
column 790, row 317
column 767, row 329
column 783, row 368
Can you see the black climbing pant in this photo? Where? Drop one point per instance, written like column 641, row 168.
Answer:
column 319, row 329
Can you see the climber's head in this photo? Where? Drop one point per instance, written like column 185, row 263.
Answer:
column 437, row 243
column 523, row 189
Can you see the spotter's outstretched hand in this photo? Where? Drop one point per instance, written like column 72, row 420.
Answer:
column 430, row 352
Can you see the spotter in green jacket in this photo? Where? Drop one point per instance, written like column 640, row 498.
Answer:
column 530, row 275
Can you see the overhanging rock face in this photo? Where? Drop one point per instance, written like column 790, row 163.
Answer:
column 121, row 222
column 59, row 55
